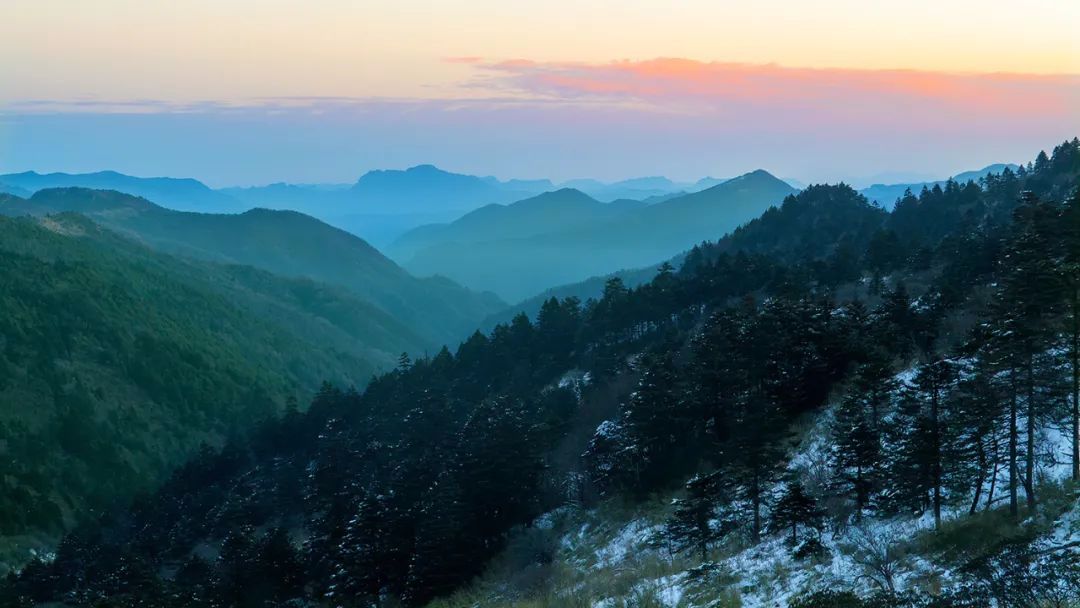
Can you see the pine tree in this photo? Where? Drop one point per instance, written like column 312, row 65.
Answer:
column 236, row 575
column 856, row 456
column 695, row 524
column 755, row 453
column 444, row 552
column 278, row 566
column 933, row 380
column 363, row 553
column 972, row 441
column 1070, row 270
column 796, row 508
column 899, row 321
column 1028, row 290
column 656, row 424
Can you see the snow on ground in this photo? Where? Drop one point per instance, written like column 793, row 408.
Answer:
column 866, row 557
column 768, row 574
column 633, row 535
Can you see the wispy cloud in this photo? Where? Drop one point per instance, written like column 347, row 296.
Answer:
column 684, row 86
column 297, row 105
column 716, row 86
column 563, row 119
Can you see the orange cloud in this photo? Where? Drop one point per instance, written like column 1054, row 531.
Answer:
column 667, row 81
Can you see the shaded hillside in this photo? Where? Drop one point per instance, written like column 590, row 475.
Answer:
column 810, row 224
column 517, row 256
column 541, row 214
column 285, row 243
column 117, row 361
column 183, row 194
column 813, row 224
column 589, row 289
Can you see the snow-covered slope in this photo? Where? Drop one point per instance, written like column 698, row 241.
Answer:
column 617, row 555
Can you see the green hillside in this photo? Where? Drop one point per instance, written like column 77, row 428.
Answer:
column 283, row 242
column 117, row 361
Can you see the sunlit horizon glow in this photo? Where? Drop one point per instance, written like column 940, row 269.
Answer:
column 254, row 91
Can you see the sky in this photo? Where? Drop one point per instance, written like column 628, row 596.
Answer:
column 258, row 91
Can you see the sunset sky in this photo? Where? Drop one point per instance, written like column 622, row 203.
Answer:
column 255, row 91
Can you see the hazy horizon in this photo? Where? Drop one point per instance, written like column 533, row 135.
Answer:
column 247, row 93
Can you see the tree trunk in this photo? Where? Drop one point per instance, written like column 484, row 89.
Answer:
column 858, row 493
column 1029, row 457
column 1014, row 473
column 980, row 479
column 934, row 421
column 1076, row 383
column 994, row 473
column 756, row 499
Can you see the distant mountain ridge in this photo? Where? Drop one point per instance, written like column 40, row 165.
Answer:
column 183, row 194
column 543, row 213
column 521, row 249
column 286, row 243
column 379, row 206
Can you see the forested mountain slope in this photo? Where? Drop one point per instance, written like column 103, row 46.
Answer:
column 117, row 361
column 403, row 492
column 831, row 225
column 286, row 243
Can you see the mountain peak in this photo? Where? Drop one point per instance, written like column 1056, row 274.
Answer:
column 758, row 178
column 563, row 197
column 425, row 168
column 757, row 174
column 565, row 193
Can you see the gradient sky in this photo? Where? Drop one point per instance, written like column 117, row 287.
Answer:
column 254, row 91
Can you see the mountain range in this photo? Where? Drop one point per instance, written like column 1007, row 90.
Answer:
column 287, row 243
column 519, row 250
column 183, row 194
column 382, row 205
